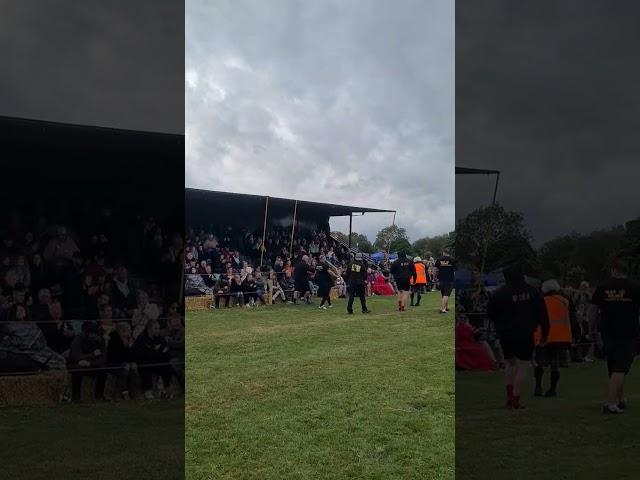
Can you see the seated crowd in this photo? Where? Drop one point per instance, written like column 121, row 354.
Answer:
column 70, row 302
column 226, row 264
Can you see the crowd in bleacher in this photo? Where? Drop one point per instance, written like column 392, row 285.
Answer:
column 225, row 262
column 86, row 292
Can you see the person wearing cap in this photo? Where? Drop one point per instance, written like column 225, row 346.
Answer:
column 356, row 278
column 418, row 281
column 402, row 270
column 517, row 309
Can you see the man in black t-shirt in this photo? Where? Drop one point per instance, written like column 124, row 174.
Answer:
column 301, row 280
column 402, row 270
column 618, row 300
column 356, row 276
column 446, row 266
column 324, row 277
column 517, row 309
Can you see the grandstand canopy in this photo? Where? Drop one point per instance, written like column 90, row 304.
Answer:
column 49, row 162
column 205, row 207
column 475, row 171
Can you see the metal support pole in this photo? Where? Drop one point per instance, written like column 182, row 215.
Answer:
column 489, row 227
column 293, row 228
column 264, row 231
column 350, row 224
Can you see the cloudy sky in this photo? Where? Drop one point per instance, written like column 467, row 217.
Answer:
column 113, row 64
column 343, row 102
column 548, row 93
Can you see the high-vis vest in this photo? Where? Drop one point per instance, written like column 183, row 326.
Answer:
column 559, row 320
column 421, row 274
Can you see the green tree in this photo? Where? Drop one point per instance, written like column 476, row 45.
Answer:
column 432, row 246
column 388, row 235
column 508, row 239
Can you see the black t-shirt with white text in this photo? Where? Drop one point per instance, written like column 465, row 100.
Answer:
column 619, row 303
column 446, row 266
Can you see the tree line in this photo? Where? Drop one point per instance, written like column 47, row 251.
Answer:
column 569, row 258
column 395, row 239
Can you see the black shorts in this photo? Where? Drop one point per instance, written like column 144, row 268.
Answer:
column 550, row 354
column 302, row 286
column 323, row 289
column 522, row 349
column 446, row 288
column 620, row 355
column 403, row 284
column 418, row 287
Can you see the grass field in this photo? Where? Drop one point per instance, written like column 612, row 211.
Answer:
column 566, row 437
column 293, row 392
column 124, row 441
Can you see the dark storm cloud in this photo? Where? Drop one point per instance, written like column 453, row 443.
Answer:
column 548, row 93
column 111, row 63
column 344, row 102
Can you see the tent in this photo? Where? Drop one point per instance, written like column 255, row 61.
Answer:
column 379, row 256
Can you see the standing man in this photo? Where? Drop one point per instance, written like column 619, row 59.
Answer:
column 517, row 309
column 446, row 267
column 301, row 280
column 325, row 275
column 402, row 270
column 618, row 300
column 356, row 279
column 419, row 280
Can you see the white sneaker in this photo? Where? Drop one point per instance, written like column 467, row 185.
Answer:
column 330, row 306
column 149, row 395
column 322, row 308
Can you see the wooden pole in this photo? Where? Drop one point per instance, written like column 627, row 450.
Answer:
column 293, row 228
column 264, row 231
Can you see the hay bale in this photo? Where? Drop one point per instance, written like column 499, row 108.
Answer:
column 44, row 388
column 198, row 303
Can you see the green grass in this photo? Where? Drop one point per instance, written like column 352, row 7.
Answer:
column 293, row 392
column 560, row 438
column 124, row 441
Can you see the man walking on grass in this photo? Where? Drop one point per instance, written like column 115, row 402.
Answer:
column 446, row 268
column 618, row 302
column 356, row 278
column 517, row 309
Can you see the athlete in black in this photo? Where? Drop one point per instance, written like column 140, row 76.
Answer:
column 325, row 275
column 446, row 266
column 402, row 270
column 301, row 280
column 618, row 301
column 516, row 310
column 356, row 279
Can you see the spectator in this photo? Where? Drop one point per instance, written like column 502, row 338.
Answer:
column 153, row 357
column 121, row 359
column 23, row 346
column 88, row 358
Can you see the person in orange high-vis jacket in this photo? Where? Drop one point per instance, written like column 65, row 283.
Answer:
column 559, row 311
column 418, row 281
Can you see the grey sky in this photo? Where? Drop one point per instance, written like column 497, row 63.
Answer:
column 344, row 102
column 548, row 93
column 116, row 64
